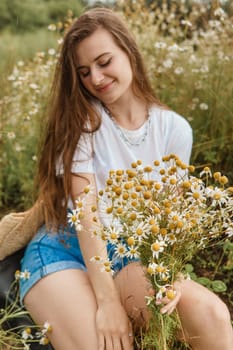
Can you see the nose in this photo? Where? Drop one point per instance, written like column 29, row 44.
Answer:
column 97, row 77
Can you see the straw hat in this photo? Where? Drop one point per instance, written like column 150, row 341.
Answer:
column 17, row 229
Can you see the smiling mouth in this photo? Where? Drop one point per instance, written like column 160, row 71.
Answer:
column 105, row 87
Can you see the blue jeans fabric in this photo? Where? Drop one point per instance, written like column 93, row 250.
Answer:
column 50, row 252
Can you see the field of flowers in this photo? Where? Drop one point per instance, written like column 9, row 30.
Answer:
column 188, row 54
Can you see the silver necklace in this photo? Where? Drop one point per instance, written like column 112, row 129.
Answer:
column 123, row 132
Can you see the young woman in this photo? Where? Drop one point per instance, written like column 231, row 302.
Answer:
column 103, row 116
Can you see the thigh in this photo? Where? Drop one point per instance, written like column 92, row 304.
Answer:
column 133, row 286
column 199, row 307
column 66, row 300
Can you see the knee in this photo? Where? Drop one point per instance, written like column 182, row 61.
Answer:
column 217, row 313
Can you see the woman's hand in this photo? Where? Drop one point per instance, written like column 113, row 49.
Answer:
column 170, row 303
column 113, row 326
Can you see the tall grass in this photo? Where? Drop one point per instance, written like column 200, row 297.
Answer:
column 22, row 47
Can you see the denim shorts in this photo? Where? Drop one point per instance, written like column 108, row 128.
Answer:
column 50, row 252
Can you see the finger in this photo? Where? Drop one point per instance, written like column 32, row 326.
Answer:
column 101, row 341
column 108, row 343
column 116, row 343
column 171, row 305
column 131, row 335
column 127, row 342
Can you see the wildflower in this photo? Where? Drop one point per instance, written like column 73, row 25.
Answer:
column 73, row 217
column 160, row 293
column 121, row 250
column 51, row 52
column 11, row 135
column 149, row 299
column 179, row 70
column 206, row 171
column 17, row 274
column 20, row 63
column 157, row 247
column 203, row 106
column 217, row 195
column 142, row 230
column 113, row 235
column 160, row 45
column 52, row 27
column 25, row 275
column 186, row 23
column 133, row 253
column 170, row 294
column 96, row 258
column 27, row 334
column 106, row 266
column 168, row 63
column 46, row 327
column 33, row 86
column 44, row 340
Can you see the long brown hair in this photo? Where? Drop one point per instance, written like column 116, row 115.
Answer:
column 71, row 104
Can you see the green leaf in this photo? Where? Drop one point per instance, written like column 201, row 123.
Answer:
column 218, row 286
column 204, row 281
column 189, row 268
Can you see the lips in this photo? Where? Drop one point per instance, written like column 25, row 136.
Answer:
column 104, row 87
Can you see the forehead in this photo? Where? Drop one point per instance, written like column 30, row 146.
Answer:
column 101, row 41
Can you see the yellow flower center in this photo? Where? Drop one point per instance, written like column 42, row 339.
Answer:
column 119, row 210
column 163, row 231
column 186, row 184
column 217, row 196
column 154, row 229
column 133, row 216
column 170, row 294
column 125, row 196
column 196, row 195
column 139, row 231
column 155, row 247
column 157, row 186
column 150, row 270
column 147, row 195
column 131, row 241
column 113, row 235
column 172, row 181
column 109, row 182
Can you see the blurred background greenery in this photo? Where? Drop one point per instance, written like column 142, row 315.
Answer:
column 187, row 46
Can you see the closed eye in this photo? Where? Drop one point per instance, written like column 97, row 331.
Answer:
column 85, row 73
column 106, row 63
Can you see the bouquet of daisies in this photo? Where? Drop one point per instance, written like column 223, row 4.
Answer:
column 163, row 222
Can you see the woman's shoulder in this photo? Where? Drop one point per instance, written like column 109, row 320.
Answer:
column 167, row 117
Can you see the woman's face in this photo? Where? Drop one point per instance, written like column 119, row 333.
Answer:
column 104, row 68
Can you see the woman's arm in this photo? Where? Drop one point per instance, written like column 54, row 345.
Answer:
column 112, row 323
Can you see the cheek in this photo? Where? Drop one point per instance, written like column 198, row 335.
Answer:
column 86, row 83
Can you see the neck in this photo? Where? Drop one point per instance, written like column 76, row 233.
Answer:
column 131, row 115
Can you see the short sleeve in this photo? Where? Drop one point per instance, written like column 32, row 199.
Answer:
column 83, row 157
column 180, row 138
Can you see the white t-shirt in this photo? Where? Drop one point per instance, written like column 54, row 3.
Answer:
column 107, row 148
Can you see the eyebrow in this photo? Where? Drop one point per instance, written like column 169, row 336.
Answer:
column 96, row 59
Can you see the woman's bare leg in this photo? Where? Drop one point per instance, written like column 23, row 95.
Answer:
column 65, row 299
column 204, row 316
